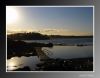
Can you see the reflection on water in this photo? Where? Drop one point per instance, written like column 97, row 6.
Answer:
column 65, row 52
column 20, row 62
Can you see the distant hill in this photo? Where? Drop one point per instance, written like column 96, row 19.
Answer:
column 28, row 36
column 39, row 36
column 61, row 36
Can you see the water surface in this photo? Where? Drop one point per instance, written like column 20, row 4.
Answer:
column 67, row 52
column 66, row 41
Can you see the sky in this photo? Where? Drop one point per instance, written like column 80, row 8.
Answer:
column 50, row 20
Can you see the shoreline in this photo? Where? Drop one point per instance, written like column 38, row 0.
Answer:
column 75, row 64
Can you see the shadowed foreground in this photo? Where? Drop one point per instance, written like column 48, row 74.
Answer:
column 21, row 48
column 79, row 64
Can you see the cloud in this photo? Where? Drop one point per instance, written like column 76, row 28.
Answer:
column 53, row 31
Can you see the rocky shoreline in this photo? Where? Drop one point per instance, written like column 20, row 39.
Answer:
column 21, row 48
column 75, row 64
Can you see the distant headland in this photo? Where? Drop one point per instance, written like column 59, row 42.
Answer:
column 39, row 36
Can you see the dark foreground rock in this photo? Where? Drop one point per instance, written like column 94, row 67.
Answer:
column 21, row 48
column 79, row 64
